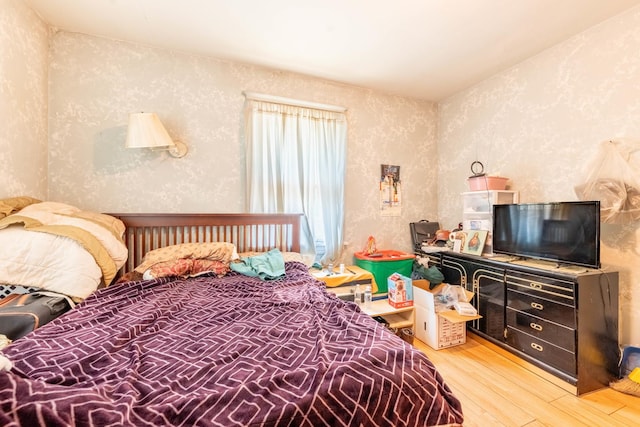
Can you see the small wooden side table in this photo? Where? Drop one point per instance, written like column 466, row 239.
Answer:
column 396, row 317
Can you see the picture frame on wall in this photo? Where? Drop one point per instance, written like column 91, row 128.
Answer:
column 474, row 242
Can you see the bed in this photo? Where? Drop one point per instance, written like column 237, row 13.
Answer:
column 213, row 349
column 52, row 255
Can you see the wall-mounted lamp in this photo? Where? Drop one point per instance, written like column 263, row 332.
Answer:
column 146, row 131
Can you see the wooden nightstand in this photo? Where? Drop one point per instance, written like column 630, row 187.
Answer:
column 396, row 317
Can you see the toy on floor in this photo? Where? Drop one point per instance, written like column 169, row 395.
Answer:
column 629, row 371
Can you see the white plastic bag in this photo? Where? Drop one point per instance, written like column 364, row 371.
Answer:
column 615, row 182
column 448, row 296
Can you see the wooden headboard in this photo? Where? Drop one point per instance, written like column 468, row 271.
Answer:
column 249, row 232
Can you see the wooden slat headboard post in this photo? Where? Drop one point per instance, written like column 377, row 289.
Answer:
column 249, row 232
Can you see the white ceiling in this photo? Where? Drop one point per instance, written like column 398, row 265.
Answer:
column 427, row 49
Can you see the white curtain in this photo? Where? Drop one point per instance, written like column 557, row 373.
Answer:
column 296, row 160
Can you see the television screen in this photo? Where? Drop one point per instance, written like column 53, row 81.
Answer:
column 565, row 232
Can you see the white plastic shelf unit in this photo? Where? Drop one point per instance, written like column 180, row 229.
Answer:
column 477, row 211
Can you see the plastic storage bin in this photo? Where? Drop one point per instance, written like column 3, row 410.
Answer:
column 477, row 213
column 485, row 182
column 383, row 264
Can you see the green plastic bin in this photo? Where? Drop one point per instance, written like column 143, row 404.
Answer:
column 383, row 264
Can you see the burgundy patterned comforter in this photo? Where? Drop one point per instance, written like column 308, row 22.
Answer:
column 232, row 351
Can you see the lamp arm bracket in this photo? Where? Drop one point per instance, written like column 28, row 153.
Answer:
column 179, row 149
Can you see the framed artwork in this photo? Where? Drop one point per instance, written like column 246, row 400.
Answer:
column 458, row 238
column 474, row 243
column 390, row 190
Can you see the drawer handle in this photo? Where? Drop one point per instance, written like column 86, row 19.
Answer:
column 536, row 346
column 537, row 306
column 537, row 286
column 535, row 326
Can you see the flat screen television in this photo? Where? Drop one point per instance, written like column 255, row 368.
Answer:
column 564, row 232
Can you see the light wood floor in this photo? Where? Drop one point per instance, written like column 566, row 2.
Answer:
column 497, row 389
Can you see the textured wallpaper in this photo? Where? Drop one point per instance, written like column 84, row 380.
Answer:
column 95, row 83
column 24, row 44
column 540, row 123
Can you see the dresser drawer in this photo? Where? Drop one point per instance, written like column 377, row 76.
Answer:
column 545, row 287
column 553, row 333
column 543, row 351
column 543, row 308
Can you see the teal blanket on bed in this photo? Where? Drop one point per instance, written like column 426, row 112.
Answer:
column 267, row 266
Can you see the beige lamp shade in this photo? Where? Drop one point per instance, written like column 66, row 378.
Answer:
column 146, row 131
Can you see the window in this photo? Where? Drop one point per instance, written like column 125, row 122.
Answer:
column 296, row 157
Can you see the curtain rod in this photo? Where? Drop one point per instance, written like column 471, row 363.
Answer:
column 295, row 102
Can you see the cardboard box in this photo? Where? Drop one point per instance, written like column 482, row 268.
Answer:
column 400, row 291
column 438, row 330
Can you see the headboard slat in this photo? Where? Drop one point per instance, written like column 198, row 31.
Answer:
column 249, row 232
